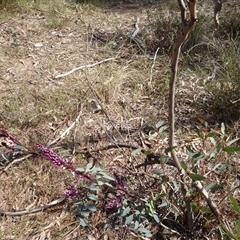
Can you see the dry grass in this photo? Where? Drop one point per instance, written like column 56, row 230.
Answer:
column 38, row 42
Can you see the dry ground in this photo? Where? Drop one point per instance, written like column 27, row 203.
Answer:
column 38, row 44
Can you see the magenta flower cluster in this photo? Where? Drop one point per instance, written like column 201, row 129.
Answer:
column 117, row 200
column 56, row 160
column 71, row 192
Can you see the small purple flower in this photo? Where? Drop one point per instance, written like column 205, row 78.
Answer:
column 56, row 160
column 115, row 202
column 71, row 192
column 119, row 182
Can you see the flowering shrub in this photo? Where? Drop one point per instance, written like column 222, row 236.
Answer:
column 138, row 207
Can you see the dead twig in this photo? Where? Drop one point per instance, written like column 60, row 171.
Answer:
column 83, row 67
column 154, row 61
column 137, row 28
column 17, row 161
column 67, row 130
column 35, row 210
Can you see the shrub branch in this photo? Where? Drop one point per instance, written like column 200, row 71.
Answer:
column 186, row 28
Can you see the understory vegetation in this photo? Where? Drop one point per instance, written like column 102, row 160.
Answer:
column 84, row 125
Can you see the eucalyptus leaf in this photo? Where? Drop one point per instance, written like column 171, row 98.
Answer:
column 136, row 224
column 104, row 175
column 92, row 197
column 153, row 135
column 100, row 183
column 155, row 216
column 108, row 184
column 145, row 232
column 206, row 210
column 196, row 177
column 91, row 207
column 167, row 150
column 183, row 165
column 126, row 211
column 5, row 157
column 159, row 124
column 83, row 222
column 88, row 167
column 136, row 151
column 229, row 149
column 232, row 141
column 85, row 213
column 157, row 171
column 80, row 169
column 164, row 204
column 164, row 159
column 94, row 187
column 216, row 188
column 148, row 152
column 20, row 147
column 129, row 219
column 162, row 129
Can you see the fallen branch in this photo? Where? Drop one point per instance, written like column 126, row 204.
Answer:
column 154, row 61
column 83, row 67
column 35, row 210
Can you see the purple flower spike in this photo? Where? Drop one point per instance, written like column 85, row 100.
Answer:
column 56, row 160
column 71, row 192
